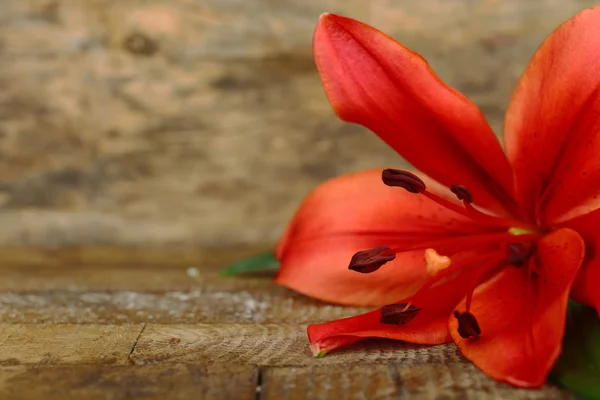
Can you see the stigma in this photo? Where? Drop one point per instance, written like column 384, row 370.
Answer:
column 434, row 262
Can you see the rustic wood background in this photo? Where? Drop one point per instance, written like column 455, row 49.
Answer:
column 203, row 121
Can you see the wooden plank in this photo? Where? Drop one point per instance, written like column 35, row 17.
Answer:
column 120, row 382
column 461, row 381
column 329, row 382
column 122, row 268
column 100, row 278
column 63, row 344
column 226, row 381
column 270, row 345
column 199, row 305
column 396, row 381
column 95, row 256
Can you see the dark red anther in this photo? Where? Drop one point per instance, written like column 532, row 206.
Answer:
column 518, row 253
column 398, row 314
column 404, row 179
column 371, row 260
column 462, row 193
column 467, row 325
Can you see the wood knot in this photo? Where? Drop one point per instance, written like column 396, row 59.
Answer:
column 140, row 45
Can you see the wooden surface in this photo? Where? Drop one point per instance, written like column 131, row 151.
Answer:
column 111, row 323
column 204, row 121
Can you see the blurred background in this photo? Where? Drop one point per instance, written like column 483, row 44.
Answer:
column 203, row 121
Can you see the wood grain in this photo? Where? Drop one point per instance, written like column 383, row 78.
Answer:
column 269, row 345
column 66, row 344
column 394, row 381
column 197, row 305
column 329, row 382
column 461, row 381
column 164, row 256
column 120, row 382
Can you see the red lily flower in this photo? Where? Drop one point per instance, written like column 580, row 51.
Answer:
column 489, row 263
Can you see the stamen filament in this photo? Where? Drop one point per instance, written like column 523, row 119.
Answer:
column 471, row 212
column 479, row 216
column 413, row 184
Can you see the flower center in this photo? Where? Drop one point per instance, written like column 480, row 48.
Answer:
column 464, row 260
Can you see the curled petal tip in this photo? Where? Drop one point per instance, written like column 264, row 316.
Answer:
column 317, row 351
column 320, row 354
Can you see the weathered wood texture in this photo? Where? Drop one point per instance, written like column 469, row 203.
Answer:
column 91, row 324
column 176, row 382
column 66, row 344
column 180, row 121
column 395, row 381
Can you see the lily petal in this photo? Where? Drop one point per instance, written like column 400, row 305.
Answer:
column 429, row 326
column 557, row 92
column 585, row 288
column 575, row 186
column 521, row 317
column 357, row 212
column 373, row 80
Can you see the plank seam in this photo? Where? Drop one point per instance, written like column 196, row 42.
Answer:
column 259, row 384
column 135, row 343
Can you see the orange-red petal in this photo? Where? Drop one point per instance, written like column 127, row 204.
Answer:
column 373, row 80
column 574, row 189
column 429, row 326
column 585, row 288
column 522, row 318
column 556, row 94
column 356, row 212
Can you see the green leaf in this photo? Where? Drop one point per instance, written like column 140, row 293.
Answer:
column 578, row 367
column 259, row 263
